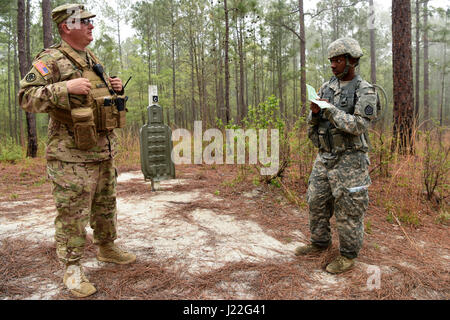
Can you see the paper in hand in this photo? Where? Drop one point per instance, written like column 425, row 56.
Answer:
column 313, row 97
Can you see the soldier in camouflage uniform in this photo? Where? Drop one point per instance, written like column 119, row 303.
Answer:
column 83, row 108
column 339, row 180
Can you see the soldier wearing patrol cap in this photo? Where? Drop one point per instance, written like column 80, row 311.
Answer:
column 339, row 180
column 67, row 81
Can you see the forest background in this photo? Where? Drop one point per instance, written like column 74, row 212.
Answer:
column 245, row 64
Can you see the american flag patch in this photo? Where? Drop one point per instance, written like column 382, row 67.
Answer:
column 42, row 68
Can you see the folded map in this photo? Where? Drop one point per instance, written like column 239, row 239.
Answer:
column 313, row 97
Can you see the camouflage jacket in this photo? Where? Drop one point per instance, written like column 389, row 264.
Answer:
column 45, row 88
column 350, row 125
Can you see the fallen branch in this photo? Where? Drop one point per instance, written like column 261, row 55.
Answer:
column 406, row 235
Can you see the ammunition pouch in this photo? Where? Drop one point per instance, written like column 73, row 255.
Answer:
column 112, row 112
column 84, row 129
column 325, row 143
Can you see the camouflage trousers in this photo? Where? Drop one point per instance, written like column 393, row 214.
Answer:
column 83, row 192
column 333, row 189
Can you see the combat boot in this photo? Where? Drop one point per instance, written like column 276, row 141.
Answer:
column 340, row 264
column 309, row 249
column 109, row 252
column 77, row 283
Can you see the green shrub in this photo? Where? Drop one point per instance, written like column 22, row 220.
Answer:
column 9, row 151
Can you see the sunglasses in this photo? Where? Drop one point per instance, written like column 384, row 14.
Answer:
column 87, row 21
column 83, row 21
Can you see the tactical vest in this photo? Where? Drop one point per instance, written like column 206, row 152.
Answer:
column 332, row 139
column 102, row 110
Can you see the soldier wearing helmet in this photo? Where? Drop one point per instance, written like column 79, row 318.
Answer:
column 348, row 49
column 339, row 180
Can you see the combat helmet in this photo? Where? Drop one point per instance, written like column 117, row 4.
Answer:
column 348, row 47
column 344, row 46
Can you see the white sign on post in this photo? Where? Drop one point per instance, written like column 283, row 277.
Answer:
column 152, row 95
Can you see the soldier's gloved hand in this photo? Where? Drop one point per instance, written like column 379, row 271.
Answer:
column 116, row 84
column 79, row 86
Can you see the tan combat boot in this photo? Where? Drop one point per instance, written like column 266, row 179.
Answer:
column 109, row 252
column 310, row 248
column 340, row 264
column 77, row 283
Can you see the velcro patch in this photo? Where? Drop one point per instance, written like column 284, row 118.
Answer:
column 42, row 68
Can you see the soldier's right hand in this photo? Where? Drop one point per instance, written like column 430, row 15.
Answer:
column 79, row 86
column 314, row 108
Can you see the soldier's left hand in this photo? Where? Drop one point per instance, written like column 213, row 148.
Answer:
column 116, row 84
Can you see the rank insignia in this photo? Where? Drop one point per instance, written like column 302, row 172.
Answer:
column 42, row 68
column 30, row 77
column 368, row 110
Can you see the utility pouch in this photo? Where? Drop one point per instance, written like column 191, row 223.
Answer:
column 324, row 139
column 107, row 119
column 338, row 141
column 357, row 142
column 84, row 128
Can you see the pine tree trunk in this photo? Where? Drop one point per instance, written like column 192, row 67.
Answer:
column 402, row 76
column 220, row 93
column 280, row 77
column 302, row 58
column 11, row 132
column 426, row 77
column 24, row 66
column 417, row 96
column 206, row 109
column 294, row 67
column 18, row 129
column 441, row 109
column 243, row 107
column 373, row 57
column 27, row 35
column 118, row 35
column 47, row 23
column 191, row 54
column 174, row 96
column 227, row 70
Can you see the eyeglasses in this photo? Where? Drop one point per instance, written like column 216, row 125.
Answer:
column 87, row 21
column 77, row 22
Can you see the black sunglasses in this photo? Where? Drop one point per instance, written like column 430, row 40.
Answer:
column 87, row 21
column 83, row 21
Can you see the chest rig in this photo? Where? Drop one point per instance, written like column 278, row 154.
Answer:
column 101, row 111
column 332, row 139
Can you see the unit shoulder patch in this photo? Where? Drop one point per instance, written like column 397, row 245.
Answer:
column 30, row 77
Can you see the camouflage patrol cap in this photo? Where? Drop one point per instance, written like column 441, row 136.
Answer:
column 73, row 10
column 344, row 46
